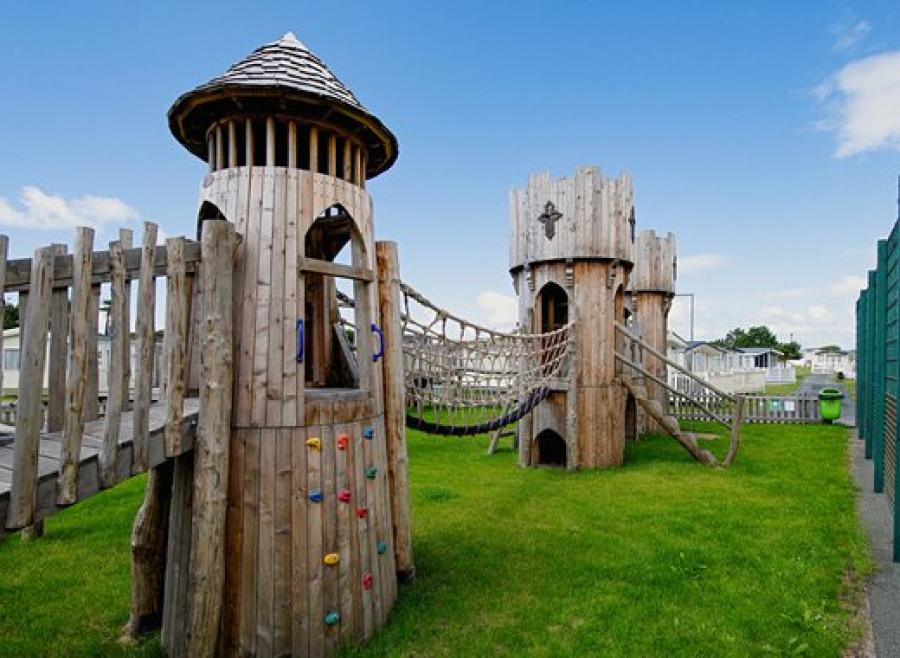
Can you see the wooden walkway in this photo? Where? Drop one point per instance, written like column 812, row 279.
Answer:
column 88, row 470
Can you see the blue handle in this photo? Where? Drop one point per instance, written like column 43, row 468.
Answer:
column 300, row 340
column 380, row 352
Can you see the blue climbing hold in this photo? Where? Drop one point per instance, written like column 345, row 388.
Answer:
column 332, row 618
column 316, row 495
column 368, row 433
column 382, row 547
column 371, row 472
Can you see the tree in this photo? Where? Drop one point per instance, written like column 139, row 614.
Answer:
column 758, row 336
column 791, row 350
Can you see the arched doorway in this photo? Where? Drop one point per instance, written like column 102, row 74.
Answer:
column 551, row 449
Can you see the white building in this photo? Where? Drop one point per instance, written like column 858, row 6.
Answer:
column 828, row 361
column 12, row 361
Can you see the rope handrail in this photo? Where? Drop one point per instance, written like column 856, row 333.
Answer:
column 471, row 378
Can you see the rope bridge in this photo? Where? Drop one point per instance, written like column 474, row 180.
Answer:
column 464, row 379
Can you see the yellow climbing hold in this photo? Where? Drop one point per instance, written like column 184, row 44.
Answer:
column 314, row 443
column 332, row 558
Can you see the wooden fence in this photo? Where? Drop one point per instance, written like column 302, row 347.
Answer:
column 756, row 408
column 63, row 450
column 878, row 372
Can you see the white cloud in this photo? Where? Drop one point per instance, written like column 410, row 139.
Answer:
column 500, row 311
column 785, row 293
column 40, row 210
column 861, row 102
column 847, row 37
column 700, row 262
column 819, row 312
column 848, row 285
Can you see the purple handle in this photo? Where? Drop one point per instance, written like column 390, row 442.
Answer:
column 300, row 340
column 380, row 352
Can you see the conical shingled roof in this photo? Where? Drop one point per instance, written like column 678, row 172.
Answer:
column 283, row 77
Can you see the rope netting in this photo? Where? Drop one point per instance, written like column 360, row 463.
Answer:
column 462, row 378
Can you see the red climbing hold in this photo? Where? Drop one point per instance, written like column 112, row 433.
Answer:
column 362, row 512
column 367, row 581
column 343, row 441
column 344, row 495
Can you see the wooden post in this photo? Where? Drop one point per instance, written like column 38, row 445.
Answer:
column 292, row 145
column 270, row 141
column 220, row 148
column 394, row 404
column 4, row 251
column 148, row 552
column 178, row 294
column 332, row 155
column 116, row 369
column 22, row 497
column 348, row 161
column 92, row 385
column 735, row 430
column 76, row 383
column 232, row 144
column 248, row 142
column 314, row 149
column 59, row 335
column 126, row 239
column 146, row 338
column 207, row 562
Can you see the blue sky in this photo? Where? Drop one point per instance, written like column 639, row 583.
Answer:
column 765, row 137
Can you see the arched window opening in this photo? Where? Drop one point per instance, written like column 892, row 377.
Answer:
column 551, row 449
column 336, row 316
column 554, row 307
column 208, row 210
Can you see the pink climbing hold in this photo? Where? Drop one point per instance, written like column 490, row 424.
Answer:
column 362, row 512
column 344, row 495
column 367, row 581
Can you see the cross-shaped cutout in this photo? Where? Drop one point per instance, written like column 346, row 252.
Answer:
column 549, row 218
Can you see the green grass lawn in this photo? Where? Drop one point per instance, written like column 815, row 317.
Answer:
column 660, row 558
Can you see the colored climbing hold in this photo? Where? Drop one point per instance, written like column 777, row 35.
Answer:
column 343, row 441
column 344, row 495
column 382, row 547
column 332, row 618
column 332, row 559
column 314, row 443
column 316, row 495
column 367, row 581
column 368, row 433
column 371, row 472
column 362, row 512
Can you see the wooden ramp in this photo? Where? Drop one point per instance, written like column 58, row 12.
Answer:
column 88, row 469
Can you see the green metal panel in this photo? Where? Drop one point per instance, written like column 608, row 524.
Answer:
column 870, row 364
column 860, row 363
column 880, row 363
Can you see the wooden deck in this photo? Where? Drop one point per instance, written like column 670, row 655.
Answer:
column 88, row 470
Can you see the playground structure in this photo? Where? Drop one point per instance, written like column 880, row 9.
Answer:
column 276, row 517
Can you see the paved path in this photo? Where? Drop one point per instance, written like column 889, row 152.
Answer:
column 811, row 386
column 884, row 588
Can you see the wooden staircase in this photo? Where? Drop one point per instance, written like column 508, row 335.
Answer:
column 634, row 381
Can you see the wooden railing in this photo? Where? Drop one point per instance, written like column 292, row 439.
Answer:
column 756, row 408
column 59, row 304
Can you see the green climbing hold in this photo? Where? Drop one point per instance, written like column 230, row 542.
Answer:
column 332, row 618
column 382, row 548
column 371, row 472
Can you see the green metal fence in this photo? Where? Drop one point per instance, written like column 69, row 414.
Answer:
column 878, row 371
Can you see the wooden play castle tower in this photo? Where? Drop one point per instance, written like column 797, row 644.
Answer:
column 652, row 288
column 309, row 550
column 571, row 253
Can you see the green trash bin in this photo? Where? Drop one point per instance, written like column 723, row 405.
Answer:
column 830, row 404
